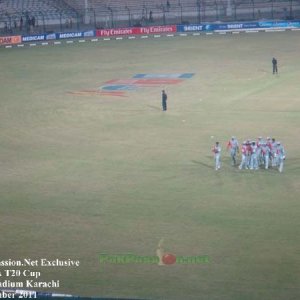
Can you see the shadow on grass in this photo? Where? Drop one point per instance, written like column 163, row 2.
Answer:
column 154, row 107
column 203, row 164
column 235, row 170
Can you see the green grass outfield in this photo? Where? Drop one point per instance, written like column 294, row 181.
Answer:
column 84, row 175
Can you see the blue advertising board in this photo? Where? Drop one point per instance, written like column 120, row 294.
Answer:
column 238, row 26
column 233, row 26
column 68, row 35
column 191, row 28
column 79, row 34
column 51, row 36
column 279, row 24
column 89, row 33
column 212, row 27
column 33, row 38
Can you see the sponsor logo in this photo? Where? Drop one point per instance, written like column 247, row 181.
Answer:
column 136, row 30
column 112, row 32
column 118, row 87
column 157, row 29
column 51, row 36
column 235, row 26
column 193, row 28
column 145, row 81
column 30, row 38
column 8, row 40
column 168, row 76
column 88, row 33
column 70, row 35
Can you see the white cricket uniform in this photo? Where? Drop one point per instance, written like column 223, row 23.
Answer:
column 233, row 144
column 273, row 154
column 281, row 157
column 243, row 164
column 217, row 155
column 253, row 158
column 266, row 155
column 260, row 157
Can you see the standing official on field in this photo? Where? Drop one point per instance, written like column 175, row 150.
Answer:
column 274, row 63
column 164, row 98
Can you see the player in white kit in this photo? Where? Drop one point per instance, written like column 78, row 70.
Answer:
column 217, row 155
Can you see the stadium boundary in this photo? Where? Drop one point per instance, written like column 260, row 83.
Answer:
column 216, row 32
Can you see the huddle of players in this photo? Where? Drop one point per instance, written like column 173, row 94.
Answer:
column 255, row 154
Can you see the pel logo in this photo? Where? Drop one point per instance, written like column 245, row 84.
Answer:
column 164, row 257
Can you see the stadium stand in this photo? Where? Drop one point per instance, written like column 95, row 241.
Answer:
column 186, row 11
column 16, row 15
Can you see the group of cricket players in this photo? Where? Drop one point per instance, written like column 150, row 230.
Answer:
column 262, row 153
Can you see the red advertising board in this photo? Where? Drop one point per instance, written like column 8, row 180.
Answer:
column 135, row 31
column 9, row 40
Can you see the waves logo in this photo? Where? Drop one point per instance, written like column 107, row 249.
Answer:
column 120, row 87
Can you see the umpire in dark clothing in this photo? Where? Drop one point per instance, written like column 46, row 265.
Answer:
column 274, row 63
column 164, row 98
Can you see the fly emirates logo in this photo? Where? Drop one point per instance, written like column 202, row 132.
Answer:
column 120, row 31
column 136, row 30
column 157, row 29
